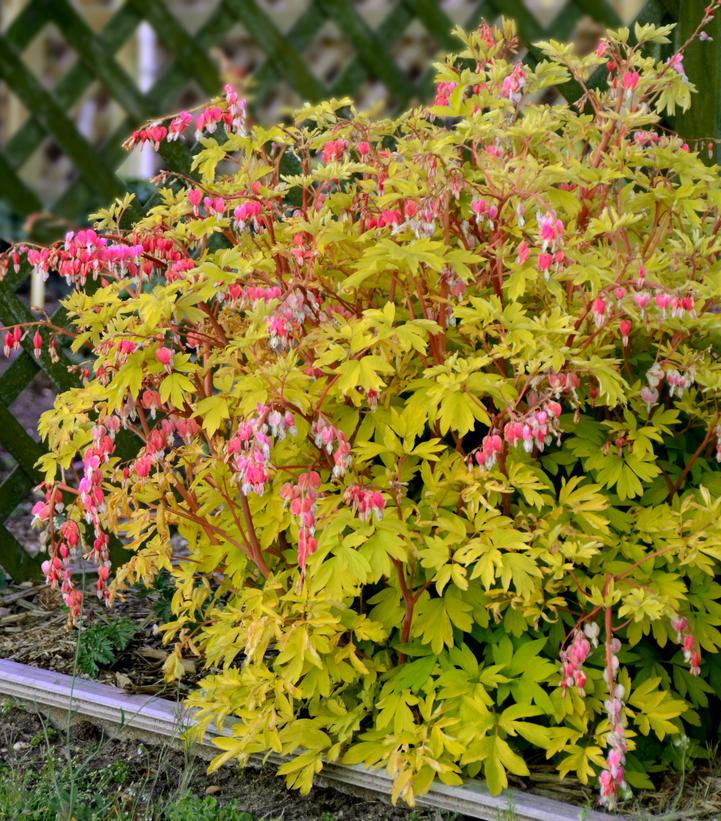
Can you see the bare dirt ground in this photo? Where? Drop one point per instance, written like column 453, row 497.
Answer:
column 139, row 779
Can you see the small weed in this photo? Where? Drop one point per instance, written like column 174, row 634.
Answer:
column 164, row 586
column 192, row 808
column 48, row 733
column 98, row 645
column 160, row 594
column 7, row 705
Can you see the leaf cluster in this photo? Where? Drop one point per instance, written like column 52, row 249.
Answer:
column 507, row 311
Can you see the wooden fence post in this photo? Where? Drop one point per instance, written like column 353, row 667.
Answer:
column 702, row 122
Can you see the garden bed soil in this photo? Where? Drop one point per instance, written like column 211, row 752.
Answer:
column 33, row 631
column 140, row 779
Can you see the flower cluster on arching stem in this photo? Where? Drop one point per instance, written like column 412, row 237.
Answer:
column 422, row 396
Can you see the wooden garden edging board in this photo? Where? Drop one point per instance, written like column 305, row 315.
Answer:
column 160, row 718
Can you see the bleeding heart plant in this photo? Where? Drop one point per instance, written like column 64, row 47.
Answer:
column 432, row 400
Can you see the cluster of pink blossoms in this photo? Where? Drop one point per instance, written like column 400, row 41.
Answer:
column 629, row 81
column 333, row 441
column 236, row 110
column 691, row 653
column 333, row 150
column 85, row 255
column 550, row 230
column 677, row 383
column 161, row 437
column 121, row 348
column 90, row 486
column 420, row 218
column 611, row 779
column 214, row 206
column 208, row 120
column 487, row 454
column 247, row 213
column 644, row 138
column 285, row 323
column 675, row 61
column 678, row 305
column 249, row 294
column 12, row 340
column 248, row 450
column 39, row 259
column 153, row 134
column 302, row 500
column 365, row 502
column 574, row 657
column 178, row 125
column 57, row 569
column 232, row 115
column 561, row 383
column 389, row 218
column 443, row 93
column 484, row 212
column 537, row 428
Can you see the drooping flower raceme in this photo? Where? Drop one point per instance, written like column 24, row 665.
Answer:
column 429, row 399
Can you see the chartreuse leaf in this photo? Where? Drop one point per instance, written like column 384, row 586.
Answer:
column 581, row 761
column 655, row 708
column 497, row 759
column 175, row 387
column 213, row 410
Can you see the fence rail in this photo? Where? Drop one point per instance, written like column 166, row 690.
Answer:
column 287, row 58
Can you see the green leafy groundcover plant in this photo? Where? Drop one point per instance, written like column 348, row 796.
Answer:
column 433, row 400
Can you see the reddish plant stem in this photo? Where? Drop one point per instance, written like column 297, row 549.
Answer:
column 609, row 653
column 692, row 461
column 256, row 550
column 214, row 322
column 143, row 419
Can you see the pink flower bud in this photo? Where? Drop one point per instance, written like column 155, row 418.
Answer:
column 523, row 251
column 544, row 261
column 165, row 356
column 630, row 80
column 37, row 343
column 599, row 310
column 625, row 328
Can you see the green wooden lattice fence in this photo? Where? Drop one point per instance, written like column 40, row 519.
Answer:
column 285, row 60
